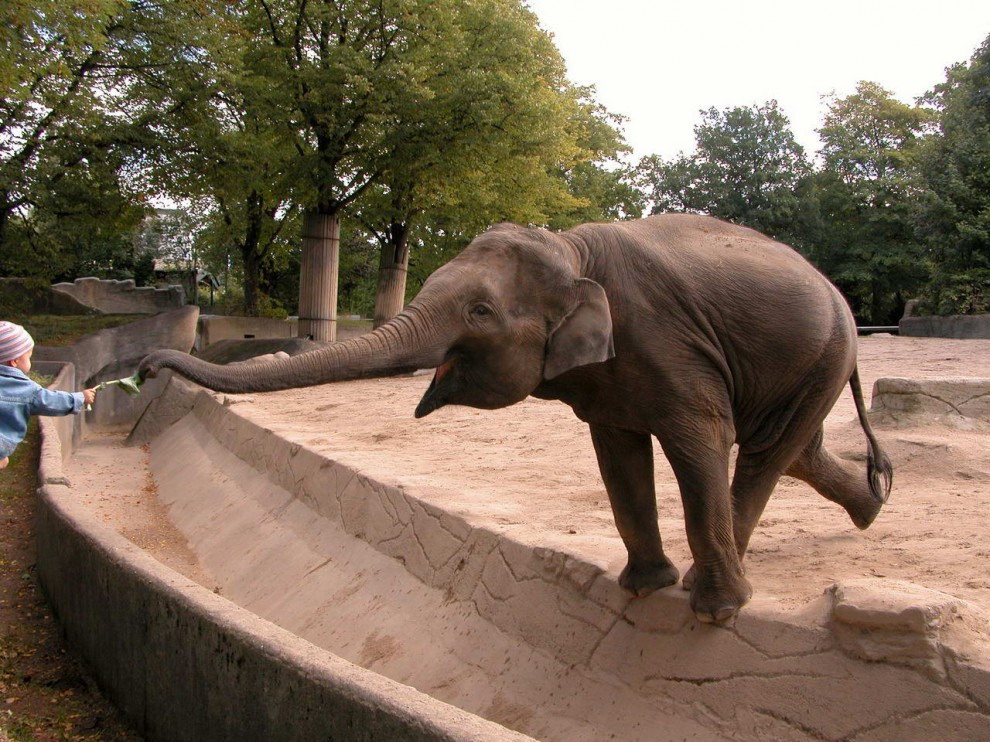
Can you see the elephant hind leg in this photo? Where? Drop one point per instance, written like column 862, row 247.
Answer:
column 839, row 481
column 754, row 480
column 716, row 580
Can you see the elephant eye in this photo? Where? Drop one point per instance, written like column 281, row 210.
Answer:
column 481, row 310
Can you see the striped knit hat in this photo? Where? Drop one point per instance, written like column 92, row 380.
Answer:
column 14, row 341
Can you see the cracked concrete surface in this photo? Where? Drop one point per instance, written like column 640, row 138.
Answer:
column 959, row 401
column 439, row 579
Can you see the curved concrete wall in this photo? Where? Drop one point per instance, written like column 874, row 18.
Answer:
column 115, row 352
column 646, row 663
column 159, row 642
column 185, row 664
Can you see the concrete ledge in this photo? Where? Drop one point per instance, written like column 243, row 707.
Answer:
column 116, row 352
column 159, row 643
column 646, row 662
column 122, row 297
column 963, row 326
column 25, row 296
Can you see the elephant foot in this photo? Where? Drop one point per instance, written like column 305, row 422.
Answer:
column 864, row 511
column 643, row 579
column 717, row 598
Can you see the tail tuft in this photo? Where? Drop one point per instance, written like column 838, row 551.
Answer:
column 879, row 470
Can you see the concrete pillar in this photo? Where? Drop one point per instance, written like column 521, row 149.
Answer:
column 318, row 276
column 391, row 293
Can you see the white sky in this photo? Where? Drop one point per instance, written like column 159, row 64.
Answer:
column 659, row 62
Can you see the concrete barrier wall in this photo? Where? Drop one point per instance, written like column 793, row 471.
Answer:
column 24, row 296
column 116, row 352
column 968, row 326
column 214, row 327
column 185, row 664
column 61, row 434
column 571, row 610
column 960, row 401
column 122, row 297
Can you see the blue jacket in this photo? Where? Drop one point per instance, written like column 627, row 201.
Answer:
column 20, row 398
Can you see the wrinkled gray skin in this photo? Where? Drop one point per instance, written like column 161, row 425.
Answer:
column 682, row 327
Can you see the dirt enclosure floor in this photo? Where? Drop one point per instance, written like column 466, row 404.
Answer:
column 530, row 471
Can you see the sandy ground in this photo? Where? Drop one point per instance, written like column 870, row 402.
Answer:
column 530, row 471
column 114, row 480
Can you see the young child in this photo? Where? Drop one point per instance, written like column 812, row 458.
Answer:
column 20, row 397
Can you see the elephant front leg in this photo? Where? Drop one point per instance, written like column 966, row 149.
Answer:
column 625, row 459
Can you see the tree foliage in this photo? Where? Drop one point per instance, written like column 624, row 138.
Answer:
column 746, row 168
column 867, row 190
column 496, row 134
column 955, row 165
column 424, row 122
column 73, row 118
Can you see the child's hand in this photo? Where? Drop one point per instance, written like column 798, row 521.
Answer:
column 89, row 395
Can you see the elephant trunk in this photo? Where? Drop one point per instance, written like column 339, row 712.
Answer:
column 406, row 343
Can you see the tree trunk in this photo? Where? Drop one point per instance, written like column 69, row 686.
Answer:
column 252, row 280
column 318, row 276
column 251, row 254
column 393, row 267
column 876, row 296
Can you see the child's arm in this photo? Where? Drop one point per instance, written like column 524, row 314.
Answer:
column 53, row 402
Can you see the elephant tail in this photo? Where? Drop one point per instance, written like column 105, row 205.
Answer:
column 879, row 470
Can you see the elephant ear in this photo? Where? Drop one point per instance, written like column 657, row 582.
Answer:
column 584, row 335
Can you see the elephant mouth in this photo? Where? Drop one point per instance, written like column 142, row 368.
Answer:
column 442, row 370
column 434, row 399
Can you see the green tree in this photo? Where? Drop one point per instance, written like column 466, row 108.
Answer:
column 493, row 123
column 83, row 225
column 955, row 164
column 747, row 168
column 74, row 111
column 49, row 65
column 329, row 79
column 602, row 185
column 867, row 191
column 235, row 169
column 668, row 185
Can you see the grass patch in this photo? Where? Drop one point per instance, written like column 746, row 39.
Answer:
column 20, row 478
column 60, row 330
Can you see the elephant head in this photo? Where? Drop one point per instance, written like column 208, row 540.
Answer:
column 507, row 313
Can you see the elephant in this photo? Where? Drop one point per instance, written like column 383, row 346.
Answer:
column 704, row 334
